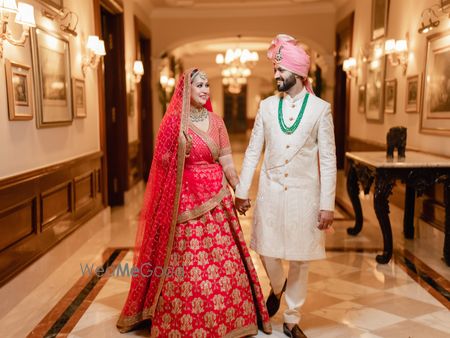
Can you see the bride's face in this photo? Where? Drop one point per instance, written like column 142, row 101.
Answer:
column 199, row 90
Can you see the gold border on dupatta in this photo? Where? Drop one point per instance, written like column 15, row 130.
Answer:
column 180, row 166
column 127, row 323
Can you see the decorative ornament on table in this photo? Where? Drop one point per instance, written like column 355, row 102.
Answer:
column 396, row 138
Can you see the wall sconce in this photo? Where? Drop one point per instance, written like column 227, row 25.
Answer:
column 96, row 49
column 24, row 16
column 375, row 64
column 65, row 17
column 433, row 20
column 397, row 51
column 350, row 67
column 138, row 71
column 167, row 83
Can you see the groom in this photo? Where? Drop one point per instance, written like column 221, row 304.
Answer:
column 295, row 200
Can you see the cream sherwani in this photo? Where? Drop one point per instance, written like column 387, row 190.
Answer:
column 293, row 188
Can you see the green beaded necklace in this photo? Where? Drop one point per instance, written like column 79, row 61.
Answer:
column 291, row 129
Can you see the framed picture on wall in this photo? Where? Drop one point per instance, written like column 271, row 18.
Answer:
column 19, row 90
column 380, row 11
column 390, row 96
column 52, row 75
column 412, row 94
column 131, row 102
column 362, row 99
column 374, row 87
column 56, row 5
column 435, row 110
column 79, row 98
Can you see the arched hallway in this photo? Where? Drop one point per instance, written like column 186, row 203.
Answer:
column 349, row 294
column 84, row 86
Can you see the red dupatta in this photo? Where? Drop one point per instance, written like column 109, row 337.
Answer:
column 156, row 230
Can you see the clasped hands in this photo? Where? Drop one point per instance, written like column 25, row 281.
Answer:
column 242, row 205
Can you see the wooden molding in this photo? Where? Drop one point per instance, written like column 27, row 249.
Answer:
column 33, row 174
column 41, row 207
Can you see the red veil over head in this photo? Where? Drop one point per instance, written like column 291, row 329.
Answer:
column 154, row 238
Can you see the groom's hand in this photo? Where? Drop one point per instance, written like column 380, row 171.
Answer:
column 325, row 219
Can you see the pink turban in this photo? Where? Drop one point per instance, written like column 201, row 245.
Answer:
column 285, row 51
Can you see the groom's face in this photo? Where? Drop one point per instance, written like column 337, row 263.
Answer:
column 285, row 79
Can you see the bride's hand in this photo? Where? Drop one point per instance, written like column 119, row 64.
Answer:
column 188, row 143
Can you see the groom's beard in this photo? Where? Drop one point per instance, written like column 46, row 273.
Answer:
column 287, row 83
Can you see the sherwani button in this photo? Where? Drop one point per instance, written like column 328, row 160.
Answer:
column 285, row 188
column 291, row 119
column 286, row 161
column 287, row 147
column 286, row 175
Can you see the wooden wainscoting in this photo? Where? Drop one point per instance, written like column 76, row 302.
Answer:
column 356, row 144
column 39, row 208
column 134, row 163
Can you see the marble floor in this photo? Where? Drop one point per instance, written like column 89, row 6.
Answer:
column 349, row 294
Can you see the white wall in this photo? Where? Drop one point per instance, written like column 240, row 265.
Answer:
column 130, row 57
column 132, row 9
column 216, row 94
column 253, row 96
column 23, row 147
column 404, row 16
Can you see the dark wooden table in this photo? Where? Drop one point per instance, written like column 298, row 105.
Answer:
column 418, row 171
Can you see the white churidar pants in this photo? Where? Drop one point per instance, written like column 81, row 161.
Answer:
column 297, row 281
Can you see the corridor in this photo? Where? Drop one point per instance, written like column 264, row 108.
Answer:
column 349, row 294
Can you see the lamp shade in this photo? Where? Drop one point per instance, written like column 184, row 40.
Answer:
column 401, row 46
column 220, row 59
column 92, row 42
column 8, row 6
column 349, row 64
column 138, row 67
column 389, row 46
column 100, row 50
column 163, row 79
column 171, row 82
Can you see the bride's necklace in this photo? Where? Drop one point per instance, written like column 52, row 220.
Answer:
column 198, row 115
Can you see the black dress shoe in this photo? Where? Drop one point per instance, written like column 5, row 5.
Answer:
column 273, row 302
column 296, row 331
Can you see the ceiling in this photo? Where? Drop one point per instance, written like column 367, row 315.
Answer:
column 237, row 3
column 221, row 45
column 202, row 53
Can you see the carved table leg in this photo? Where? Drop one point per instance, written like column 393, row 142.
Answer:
column 353, row 193
column 408, row 216
column 447, row 221
column 383, row 188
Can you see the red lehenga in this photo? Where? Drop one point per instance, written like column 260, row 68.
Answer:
column 190, row 232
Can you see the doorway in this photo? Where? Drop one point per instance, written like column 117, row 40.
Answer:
column 344, row 37
column 116, row 122
column 235, row 110
column 144, row 98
